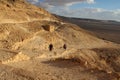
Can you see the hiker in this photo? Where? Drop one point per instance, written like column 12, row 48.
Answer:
column 50, row 47
column 64, row 46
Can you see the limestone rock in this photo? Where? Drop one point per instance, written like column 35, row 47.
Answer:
column 49, row 28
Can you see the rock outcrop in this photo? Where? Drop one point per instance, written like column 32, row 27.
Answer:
column 29, row 30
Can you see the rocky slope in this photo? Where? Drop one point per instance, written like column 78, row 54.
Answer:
column 104, row 29
column 26, row 33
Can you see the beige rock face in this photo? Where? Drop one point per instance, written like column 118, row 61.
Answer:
column 26, row 33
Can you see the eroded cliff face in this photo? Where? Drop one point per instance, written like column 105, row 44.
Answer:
column 26, row 33
column 19, row 11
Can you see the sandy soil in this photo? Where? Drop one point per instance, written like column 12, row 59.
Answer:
column 25, row 47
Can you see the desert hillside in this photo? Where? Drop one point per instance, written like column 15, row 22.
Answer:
column 104, row 29
column 35, row 45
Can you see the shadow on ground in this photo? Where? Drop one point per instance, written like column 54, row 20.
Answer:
column 111, row 56
column 63, row 63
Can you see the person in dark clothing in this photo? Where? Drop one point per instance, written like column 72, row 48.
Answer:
column 64, row 46
column 50, row 47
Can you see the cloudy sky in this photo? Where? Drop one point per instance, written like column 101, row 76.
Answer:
column 94, row 9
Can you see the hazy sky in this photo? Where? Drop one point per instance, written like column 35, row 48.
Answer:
column 95, row 9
